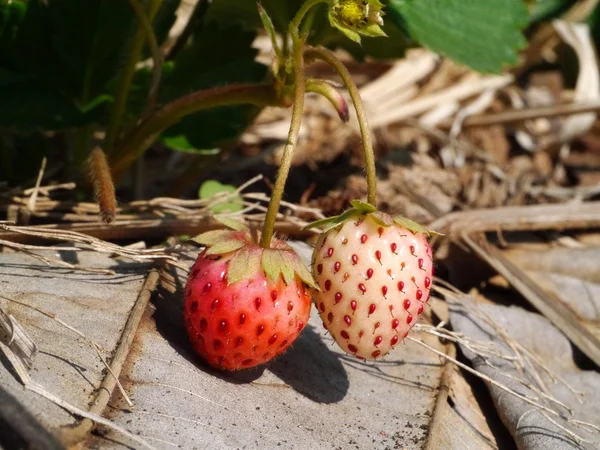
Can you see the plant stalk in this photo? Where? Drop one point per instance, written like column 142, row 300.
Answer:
column 141, row 137
column 135, row 50
column 329, row 57
column 298, row 42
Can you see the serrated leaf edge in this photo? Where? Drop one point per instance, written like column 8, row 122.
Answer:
column 287, row 264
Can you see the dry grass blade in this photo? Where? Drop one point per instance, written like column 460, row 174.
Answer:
column 95, row 244
column 534, row 217
column 547, row 302
column 95, row 346
column 34, row 387
column 27, row 249
column 531, row 401
column 36, row 189
column 174, row 215
column 16, row 345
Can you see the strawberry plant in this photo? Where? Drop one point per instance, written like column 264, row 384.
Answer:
column 74, row 68
column 247, row 299
column 64, row 66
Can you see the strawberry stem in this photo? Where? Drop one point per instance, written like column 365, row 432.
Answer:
column 329, row 57
column 298, row 42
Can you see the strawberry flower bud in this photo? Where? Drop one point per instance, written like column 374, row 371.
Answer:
column 356, row 17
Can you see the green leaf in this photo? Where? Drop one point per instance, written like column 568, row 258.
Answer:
column 482, row 34
column 218, row 54
column 65, row 52
column 30, row 103
column 211, row 188
column 244, row 264
column 181, row 144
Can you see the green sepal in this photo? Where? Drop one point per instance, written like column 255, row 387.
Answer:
column 364, row 207
column 352, row 35
column 382, row 219
column 231, row 223
column 287, row 263
column 302, row 271
column 413, row 226
column 274, row 264
column 210, row 237
column 269, row 28
column 244, row 264
column 219, row 242
column 373, row 31
column 224, row 247
column 359, row 208
column 321, row 222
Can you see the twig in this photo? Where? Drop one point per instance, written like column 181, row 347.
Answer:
column 36, row 189
column 521, row 115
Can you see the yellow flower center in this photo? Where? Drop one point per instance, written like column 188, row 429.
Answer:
column 353, row 13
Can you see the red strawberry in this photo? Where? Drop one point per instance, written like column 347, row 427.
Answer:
column 375, row 276
column 244, row 305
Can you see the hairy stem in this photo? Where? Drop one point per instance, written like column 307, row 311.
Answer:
column 141, row 137
column 329, row 57
column 135, row 50
column 292, row 140
column 325, row 89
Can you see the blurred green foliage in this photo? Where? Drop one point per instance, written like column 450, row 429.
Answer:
column 60, row 59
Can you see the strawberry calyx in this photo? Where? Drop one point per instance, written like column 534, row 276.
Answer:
column 360, row 208
column 248, row 257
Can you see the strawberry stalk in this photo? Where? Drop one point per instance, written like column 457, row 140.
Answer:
column 135, row 143
column 328, row 91
column 298, row 43
column 329, row 57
